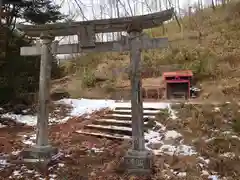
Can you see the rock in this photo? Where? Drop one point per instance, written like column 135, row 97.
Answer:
column 155, row 145
column 93, row 174
column 171, row 141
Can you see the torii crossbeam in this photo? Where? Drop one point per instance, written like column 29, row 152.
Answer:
column 113, row 46
column 137, row 160
column 98, row 26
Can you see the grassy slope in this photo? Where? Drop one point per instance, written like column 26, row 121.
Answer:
column 208, row 45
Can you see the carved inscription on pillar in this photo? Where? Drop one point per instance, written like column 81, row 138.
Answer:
column 135, row 162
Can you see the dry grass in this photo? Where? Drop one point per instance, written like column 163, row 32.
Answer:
column 214, row 132
column 208, row 45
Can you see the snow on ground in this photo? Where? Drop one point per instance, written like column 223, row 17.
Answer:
column 86, row 106
column 170, row 142
column 79, row 107
column 25, row 172
column 167, row 142
column 26, row 119
column 159, row 140
column 1, row 126
column 3, row 161
column 163, row 142
column 29, row 140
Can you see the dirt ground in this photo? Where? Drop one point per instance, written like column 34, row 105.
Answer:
column 84, row 157
column 213, row 131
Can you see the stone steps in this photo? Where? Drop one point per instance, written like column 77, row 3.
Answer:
column 104, row 135
column 128, row 111
column 116, row 124
column 125, row 123
column 125, row 116
column 111, row 129
column 121, row 108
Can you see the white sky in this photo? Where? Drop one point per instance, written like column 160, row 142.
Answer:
column 92, row 8
column 72, row 7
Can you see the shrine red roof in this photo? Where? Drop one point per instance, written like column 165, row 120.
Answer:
column 187, row 73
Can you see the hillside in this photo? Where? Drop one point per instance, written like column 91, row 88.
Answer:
column 208, row 45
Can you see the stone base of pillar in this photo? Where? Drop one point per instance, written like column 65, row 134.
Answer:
column 139, row 162
column 39, row 154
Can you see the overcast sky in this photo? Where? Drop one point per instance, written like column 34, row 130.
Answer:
column 91, row 9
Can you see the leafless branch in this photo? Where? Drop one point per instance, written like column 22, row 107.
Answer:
column 80, row 8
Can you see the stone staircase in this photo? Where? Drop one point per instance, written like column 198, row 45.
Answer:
column 116, row 124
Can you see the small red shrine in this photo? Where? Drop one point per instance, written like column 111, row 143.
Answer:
column 178, row 84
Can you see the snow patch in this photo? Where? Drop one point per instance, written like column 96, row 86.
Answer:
column 80, row 107
column 3, row 161
column 164, row 142
column 2, row 126
column 175, row 150
column 29, row 140
column 26, row 119
column 86, row 106
column 172, row 135
column 213, row 177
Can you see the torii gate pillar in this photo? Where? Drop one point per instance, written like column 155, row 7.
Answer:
column 42, row 149
column 138, row 160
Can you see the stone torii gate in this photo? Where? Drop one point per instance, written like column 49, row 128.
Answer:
column 137, row 159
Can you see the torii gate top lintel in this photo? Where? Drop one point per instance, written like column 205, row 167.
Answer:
column 98, row 26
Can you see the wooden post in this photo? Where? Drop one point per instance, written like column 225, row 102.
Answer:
column 136, row 88
column 42, row 149
column 138, row 161
column 44, row 90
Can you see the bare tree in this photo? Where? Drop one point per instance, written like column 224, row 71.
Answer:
column 118, row 16
column 101, row 16
column 79, row 3
column 213, row 5
column 125, row 11
column 117, row 9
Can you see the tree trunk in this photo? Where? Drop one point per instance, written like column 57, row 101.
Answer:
column 213, row 5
